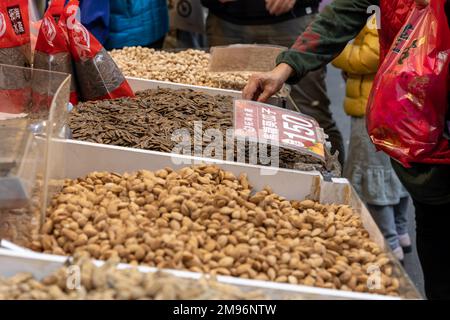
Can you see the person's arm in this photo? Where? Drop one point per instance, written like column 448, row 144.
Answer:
column 326, row 37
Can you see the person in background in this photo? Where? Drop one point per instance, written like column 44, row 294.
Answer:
column 276, row 22
column 370, row 172
column 94, row 15
column 124, row 23
column 187, row 25
column 428, row 184
column 137, row 23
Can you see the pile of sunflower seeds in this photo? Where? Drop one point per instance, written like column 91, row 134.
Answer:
column 149, row 121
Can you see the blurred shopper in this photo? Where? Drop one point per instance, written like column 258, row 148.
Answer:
column 428, row 184
column 126, row 23
column 137, row 23
column 276, row 22
column 187, row 24
column 95, row 17
column 369, row 171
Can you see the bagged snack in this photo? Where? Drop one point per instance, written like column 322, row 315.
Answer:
column 98, row 76
column 14, row 33
column 409, row 101
column 14, row 50
column 52, row 49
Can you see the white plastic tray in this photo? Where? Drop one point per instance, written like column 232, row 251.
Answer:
column 41, row 265
column 72, row 159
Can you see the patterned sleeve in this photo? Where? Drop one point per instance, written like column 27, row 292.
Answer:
column 327, row 36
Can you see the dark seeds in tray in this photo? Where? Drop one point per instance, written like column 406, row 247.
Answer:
column 149, row 120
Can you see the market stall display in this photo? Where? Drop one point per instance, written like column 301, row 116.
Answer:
column 77, row 159
column 145, row 222
column 205, row 219
column 188, row 67
column 149, row 121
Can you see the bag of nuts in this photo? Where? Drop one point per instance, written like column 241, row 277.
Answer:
column 14, row 50
column 14, row 33
column 98, row 76
column 52, row 50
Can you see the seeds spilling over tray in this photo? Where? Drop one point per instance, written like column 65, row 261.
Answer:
column 205, row 219
column 149, row 120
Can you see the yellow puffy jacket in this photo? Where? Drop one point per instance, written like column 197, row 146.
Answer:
column 360, row 61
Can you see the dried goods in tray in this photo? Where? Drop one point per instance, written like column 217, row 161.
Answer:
column 187, row 66
column 149, row 120
column 107, row 283
column 204, row 219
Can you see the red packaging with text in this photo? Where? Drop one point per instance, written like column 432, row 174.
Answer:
column 52, row 53
column 14, row 50
column 98, row 76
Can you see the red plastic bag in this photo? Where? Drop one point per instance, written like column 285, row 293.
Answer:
column 98, row 76
column 407, row 109
column 52, row 50
column 14, row 33
column 14, row 50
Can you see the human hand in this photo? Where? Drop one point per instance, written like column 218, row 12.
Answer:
column 422, row 3
column 279, row 7
column 261, row 86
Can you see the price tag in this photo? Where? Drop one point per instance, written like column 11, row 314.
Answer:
column 276, row 126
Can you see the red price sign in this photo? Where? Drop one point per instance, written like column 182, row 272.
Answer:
column 268, row 124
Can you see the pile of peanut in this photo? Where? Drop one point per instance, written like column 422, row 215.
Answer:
column 204, row 219
column 108, row 283
column 188, row 67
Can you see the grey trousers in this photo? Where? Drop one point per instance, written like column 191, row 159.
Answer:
column 392, row 220
column 310, row 94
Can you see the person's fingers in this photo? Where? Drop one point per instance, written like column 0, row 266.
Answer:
column 277, row 7
column 266, row 94
column 422, row 3
column 251, row 88
column 271, row 4
column 280, row 8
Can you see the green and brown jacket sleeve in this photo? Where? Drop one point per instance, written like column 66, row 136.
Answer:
column 327, row 36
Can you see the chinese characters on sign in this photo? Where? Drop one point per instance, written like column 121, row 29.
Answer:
column 249, row 121
column 16, row 20
column 276, row 126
